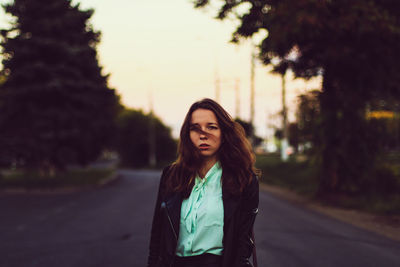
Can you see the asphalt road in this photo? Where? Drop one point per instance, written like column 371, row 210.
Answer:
column 110, row 226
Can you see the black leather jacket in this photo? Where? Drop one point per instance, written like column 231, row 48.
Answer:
column 239, row 216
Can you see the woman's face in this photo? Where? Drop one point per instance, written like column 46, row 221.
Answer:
column 205, row 133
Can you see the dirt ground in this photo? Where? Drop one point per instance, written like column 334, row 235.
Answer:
column 388, row 226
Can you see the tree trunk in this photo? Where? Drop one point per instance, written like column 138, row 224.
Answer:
column 329, row 136
column 47, row 169
column 346, row 146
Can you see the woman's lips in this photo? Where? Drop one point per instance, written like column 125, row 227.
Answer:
column 204, row 146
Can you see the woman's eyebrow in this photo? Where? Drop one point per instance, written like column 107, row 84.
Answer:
column 208, row 123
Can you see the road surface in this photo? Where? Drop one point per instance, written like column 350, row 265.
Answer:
column 110, row 227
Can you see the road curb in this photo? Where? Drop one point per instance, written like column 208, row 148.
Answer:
column 388, row 226
column 62, row 190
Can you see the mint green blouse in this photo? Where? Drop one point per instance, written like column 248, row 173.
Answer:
column 202, row 217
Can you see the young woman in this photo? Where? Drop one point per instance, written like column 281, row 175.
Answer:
column 208, row 199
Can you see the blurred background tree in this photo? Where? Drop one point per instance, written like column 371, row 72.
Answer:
column 353, row 45
column 133, row 142
column 55, row 105
column 249, row 130
column 247, row 126
column 308, row 117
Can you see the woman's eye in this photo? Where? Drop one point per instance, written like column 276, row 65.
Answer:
column 212, row 127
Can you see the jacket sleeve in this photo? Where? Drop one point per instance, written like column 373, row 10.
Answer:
column 249, row 210
column 155, row 236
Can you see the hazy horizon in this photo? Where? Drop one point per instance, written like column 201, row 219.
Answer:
column 175, row 55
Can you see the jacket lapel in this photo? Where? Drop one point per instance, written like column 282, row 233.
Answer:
column 230, row 205
column 174, row 204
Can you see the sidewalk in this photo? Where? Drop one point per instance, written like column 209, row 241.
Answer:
column 388, row 226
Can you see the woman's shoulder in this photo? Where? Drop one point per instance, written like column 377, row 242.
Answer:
column 167, row 169
column 254, row 182
column 252, row 187
column 166, row 173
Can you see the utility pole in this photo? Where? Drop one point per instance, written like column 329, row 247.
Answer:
column 152, row 135
column 217, row 87
column 284, row 143
column 252, row 93
column 237, row 94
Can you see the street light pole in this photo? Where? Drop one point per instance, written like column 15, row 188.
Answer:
column 284, row 143
column 252, row 93
column 237, row 92
column 152, row 135
column 217, row 87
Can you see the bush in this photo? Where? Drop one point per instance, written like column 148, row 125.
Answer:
column 382, row 182
column 297, row 176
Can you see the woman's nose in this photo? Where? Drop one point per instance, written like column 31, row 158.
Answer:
column 203, row 136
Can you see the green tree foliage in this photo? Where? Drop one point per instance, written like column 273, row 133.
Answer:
column 384, row 117
column 383, row 127
column 247, row 126
column 278, row 133
column 353, row 45
column 249, row 130
column 308, row 116
column 132, row 142
column 4, row 161
column 294, row 136
column 56, row 105
column 2, row 79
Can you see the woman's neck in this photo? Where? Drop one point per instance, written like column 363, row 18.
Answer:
column 206, row 166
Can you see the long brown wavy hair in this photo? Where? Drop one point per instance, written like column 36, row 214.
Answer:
column 235, row 154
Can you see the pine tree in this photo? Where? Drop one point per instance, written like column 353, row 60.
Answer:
column 55, row 105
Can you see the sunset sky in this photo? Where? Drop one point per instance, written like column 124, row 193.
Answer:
column 168, row 51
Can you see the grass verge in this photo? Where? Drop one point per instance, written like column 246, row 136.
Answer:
column 296, row 176
column 302, row 178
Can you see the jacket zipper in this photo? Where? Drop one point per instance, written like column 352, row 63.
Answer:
column 170, row 221
column 173, row 229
